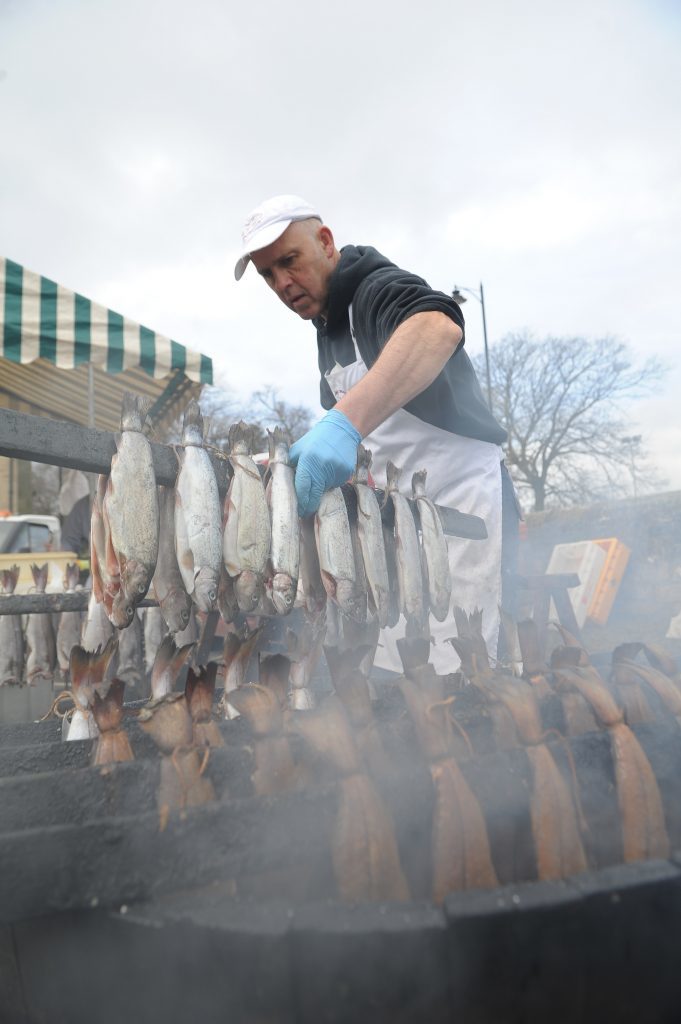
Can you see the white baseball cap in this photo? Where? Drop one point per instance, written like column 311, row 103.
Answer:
column 267, row 223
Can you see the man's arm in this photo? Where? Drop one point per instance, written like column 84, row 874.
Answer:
column 411, row 360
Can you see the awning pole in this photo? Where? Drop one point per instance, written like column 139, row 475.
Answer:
column 91, row 395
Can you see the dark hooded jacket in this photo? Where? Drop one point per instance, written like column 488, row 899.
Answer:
column 382, row 297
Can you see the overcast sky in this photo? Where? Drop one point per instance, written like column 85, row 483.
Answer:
column 533, row 145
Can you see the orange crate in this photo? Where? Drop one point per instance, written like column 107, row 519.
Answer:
column 616, row 558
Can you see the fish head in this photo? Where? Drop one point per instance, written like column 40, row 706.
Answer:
column 349, row 601
column 135, row 580
column 248, row 588
column 283, row 593
column 206, row 589
column 177, row 610
column 122, row 611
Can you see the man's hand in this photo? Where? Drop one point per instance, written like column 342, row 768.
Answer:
column 325, row 457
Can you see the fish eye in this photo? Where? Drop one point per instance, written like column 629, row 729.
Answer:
column 140, row 588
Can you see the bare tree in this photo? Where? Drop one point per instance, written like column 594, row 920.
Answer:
column 264, row 410
column 561, row 401
column 269, row 410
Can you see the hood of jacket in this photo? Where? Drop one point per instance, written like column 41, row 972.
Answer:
column 356, row 263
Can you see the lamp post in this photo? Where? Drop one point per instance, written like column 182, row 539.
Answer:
column 480, row 296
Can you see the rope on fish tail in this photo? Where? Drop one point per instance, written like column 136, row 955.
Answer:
column 54, row 708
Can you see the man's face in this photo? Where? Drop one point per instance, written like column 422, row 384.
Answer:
column 298, row 267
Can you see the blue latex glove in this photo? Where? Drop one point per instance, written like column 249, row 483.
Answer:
column 325, row 457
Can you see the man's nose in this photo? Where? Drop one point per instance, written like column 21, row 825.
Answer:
column 281, row 280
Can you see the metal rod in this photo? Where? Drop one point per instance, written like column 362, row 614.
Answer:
column 484, row 334
column 30, row 604
column 58, row 443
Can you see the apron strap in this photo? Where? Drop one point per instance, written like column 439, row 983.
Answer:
column 352, row 331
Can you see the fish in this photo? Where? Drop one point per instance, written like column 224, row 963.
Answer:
column 247, row 533
column 105, row 571
column 11, row 635
column 275, row 770
column 237, row 652
column 336, row 554
column 97, row 628
column 168, row 663
column 370, row 534
column 304, row 650
column 199, row 691
column 70, row 623
column 167, row 584
column 197, row 515
column 154, row 630
column 407, row 554
column 228, row 606
column 364, row 849
column 273, row 673
column 393, row 612
column 182, row 780
column 191, row 634
column 87, row 670
column 435, row 557
column 40, row 639
column 642, row 819
column 311, row 593
column 130, row 509
column 283, row 505
column 130, row 666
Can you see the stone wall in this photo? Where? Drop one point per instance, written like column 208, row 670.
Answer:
column 650, row 592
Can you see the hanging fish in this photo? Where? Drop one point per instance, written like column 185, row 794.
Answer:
column 247, row 533
column 197, row 515
column 370, row 534
column 283, row 505
column 11, row 635
column 174, row 601
column 407, row 554
column 435, row 558
column 130, row 509
column 40, row 641
column 70, row 623
column 336, row 554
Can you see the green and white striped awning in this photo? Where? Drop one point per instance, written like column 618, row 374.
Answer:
column 43, row 320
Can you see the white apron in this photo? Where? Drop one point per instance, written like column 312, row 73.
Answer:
column 463, row 473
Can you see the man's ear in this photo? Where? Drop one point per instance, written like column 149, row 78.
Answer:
column 326, row 238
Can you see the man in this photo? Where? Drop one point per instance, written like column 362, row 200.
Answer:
column 395, row 374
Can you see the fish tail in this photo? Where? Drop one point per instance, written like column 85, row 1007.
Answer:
column 392, row 476
column 134, row 411
column 193, row 420
column 418, row 483
column 240, row 433
column 39, row 573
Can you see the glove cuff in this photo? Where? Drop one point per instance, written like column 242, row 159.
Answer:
column 339, row 419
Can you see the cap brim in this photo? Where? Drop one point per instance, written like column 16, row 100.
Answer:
column 260, row 240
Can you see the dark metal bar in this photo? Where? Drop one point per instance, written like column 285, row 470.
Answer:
column 58, row 443
column 454, row 523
